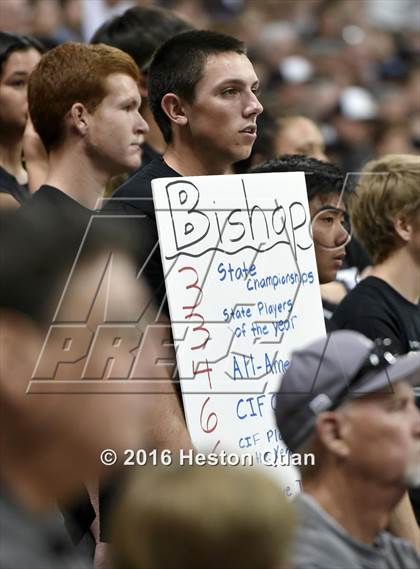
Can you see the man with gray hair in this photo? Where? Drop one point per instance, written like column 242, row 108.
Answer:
column 350, row 402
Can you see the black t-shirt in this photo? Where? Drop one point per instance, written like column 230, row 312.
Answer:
column 136, row 193
column 52, row 201
column 49, row 196
column 377, row 310
column 135, row 198
column 49, row 200
column 9, row 185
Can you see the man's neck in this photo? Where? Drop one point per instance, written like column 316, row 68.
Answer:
column 401, row 272
column 187, row 162
column 363, row 518
column 72, row 172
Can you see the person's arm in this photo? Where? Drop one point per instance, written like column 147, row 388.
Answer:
column 165, row 427
column 168, row 429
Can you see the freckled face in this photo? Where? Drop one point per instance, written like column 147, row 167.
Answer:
column 116, row 128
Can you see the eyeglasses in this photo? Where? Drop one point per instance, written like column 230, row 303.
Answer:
column 327, row 224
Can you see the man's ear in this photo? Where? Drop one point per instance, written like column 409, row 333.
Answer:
column 403, row 227
column 330, row 429
column 79, row 118
column 173, row 107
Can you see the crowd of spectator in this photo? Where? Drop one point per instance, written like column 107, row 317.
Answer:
column 351, row 66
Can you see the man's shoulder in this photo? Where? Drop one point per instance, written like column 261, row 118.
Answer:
column 46, row 194
column 367, row 287
column 319, row 542
column 322, row 543
column 400, row 550
column 40, row 542
column 369, row 296
column 372, row 298
column 139, row 185
column 320, row 551
column 51, row 201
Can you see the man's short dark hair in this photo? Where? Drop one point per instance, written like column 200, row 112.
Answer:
column 321, row 177
column 139, row 31
column 178, row 65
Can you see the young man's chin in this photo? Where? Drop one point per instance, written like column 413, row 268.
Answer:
column 326, row 278
column 127, row 168
column 239, row 156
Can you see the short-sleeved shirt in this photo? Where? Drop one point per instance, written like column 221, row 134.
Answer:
column 377, row 310
column 135, row 198
column 321, row 543
column 38, row 542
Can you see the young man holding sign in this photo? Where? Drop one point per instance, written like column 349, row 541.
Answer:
column 203, row 93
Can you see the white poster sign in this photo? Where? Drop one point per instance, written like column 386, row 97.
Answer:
column 243, row 293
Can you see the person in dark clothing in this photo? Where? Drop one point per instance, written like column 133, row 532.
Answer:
column 202, row 90
column 18, row 56
column 203, row 94
column 87, row 117
column 50, row 440
column 84, row 101
column 140, row 31
column 386, row 217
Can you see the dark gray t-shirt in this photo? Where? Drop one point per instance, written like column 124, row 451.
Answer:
column 321, row 543
column 28, row 541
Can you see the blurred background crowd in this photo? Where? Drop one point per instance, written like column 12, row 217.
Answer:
column 353, row 66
